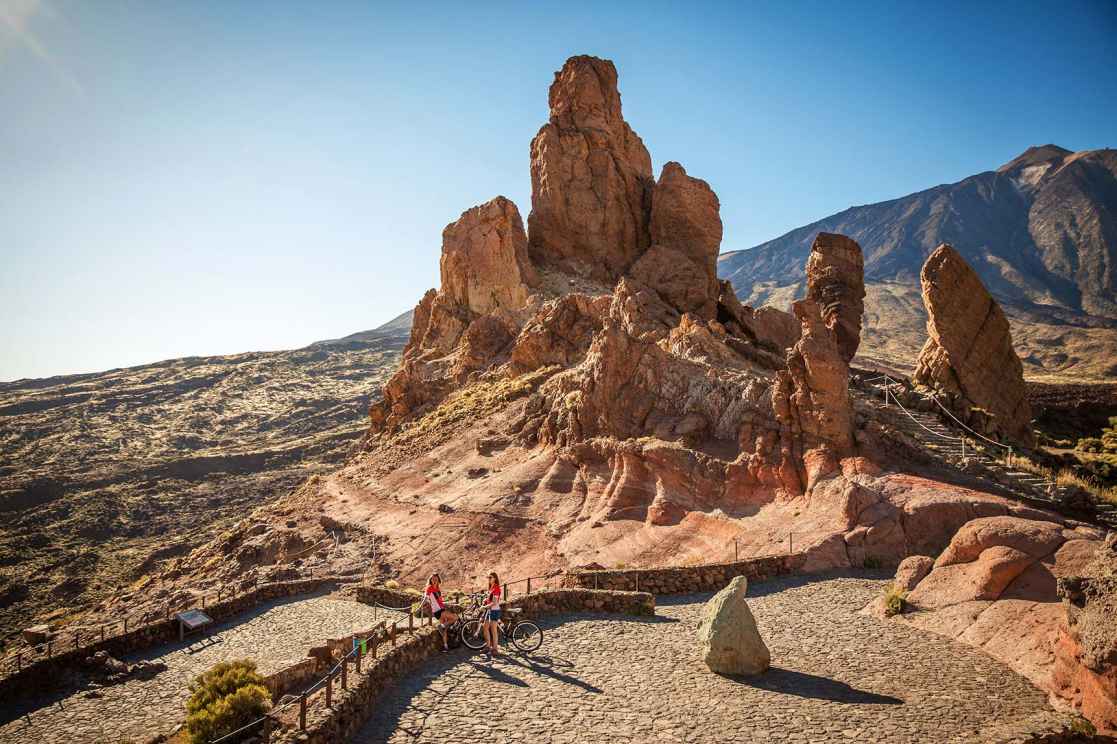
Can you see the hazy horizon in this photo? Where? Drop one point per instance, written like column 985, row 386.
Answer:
column 196, row 181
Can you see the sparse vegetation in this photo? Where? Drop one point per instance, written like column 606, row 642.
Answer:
column 228, row 696
column 872, row 562
column 894, row 600
column 391, row 584
column 479, row 398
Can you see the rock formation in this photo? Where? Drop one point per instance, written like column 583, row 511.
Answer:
column 995, row 587
column 685, row 238
column 1085, row 670
column 969, row 356
column 484, row 264
column 836, row 282
column 591, row 177
column 730, row 640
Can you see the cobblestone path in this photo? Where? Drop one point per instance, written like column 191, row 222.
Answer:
column 836, row 676
column 275, row 634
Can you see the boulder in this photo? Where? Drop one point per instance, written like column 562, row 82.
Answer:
column 911, row 571
column 836, row 282
column 969, row 358
column 591, row 177
column 731, row 642
column 37, row 634
column 1032, row 537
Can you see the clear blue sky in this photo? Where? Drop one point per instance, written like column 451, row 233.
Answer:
column 214, row 177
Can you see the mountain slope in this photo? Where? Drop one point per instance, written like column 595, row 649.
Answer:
column 1041, row 231
column 102, row 473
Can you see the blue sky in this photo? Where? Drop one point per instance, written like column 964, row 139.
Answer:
column 215, row 177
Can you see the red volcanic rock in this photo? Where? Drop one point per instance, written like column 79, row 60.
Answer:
column 686, row 236
column 768, row 328
column 984, row 577
column 591, row 177
column 911, row 571
column 968, row 355
column 836, row 281
column 1034, row 538
column 485, row 263
column 1085, row 671
column 559, row 333
column 811, row 398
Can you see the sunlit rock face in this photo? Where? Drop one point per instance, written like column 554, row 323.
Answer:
column 969, row 355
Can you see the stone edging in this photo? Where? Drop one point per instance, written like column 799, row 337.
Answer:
column 351, row 707
column 686, row 579
column 42, row 671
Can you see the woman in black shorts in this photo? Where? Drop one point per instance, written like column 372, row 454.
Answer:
column 432, row 597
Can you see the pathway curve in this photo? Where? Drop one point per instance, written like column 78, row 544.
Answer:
column 275, row 634
column 837, row 676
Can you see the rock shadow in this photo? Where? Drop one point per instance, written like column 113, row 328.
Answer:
column 805, row 685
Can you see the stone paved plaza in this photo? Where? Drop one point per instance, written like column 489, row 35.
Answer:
column 836, row 676
column 275, row 634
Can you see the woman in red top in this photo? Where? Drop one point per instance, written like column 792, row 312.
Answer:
column 433, row 597
column 493, row 603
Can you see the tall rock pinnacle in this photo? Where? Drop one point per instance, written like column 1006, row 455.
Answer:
column 968, row 355
column 591, row 177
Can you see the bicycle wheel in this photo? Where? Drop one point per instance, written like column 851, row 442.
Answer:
column 472, row 636
column 527, row 636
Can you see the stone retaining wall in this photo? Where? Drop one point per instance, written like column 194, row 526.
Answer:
column 351, row 707
column 295, row 677
column 686, row 579
column 42, row 672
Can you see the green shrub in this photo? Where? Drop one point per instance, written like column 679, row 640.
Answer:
column 230, row 695
column 893, row 600
column 872, row 562
column 1089, row 444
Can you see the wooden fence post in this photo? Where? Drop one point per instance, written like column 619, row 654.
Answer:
column 102, row 633
column 359, row 644
column 330, row 690
column 344, row 673
column 302, row 712
column 410, row 623
column 529, row 585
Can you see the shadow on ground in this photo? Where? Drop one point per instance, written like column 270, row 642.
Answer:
column 801, row 684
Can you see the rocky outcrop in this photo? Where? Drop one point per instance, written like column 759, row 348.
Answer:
column 994, row 587
column 591, row 177
column 1085, row 672
column 810, row 399
column 768, row 328
column 836, row 282
column 467, row 325
column 730, row 640
column 485, row 264
column 685, row 238
column 969, row 356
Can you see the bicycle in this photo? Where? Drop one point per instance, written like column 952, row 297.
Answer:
column 524, row 634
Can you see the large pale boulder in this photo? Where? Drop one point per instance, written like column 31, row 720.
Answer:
column 591, row 177
column 731, row 642
column 836, row 281
column 969, row 356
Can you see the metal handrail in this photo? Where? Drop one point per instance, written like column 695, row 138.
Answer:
column 967, row 428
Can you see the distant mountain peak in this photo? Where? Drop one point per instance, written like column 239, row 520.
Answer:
column 1035, row 155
